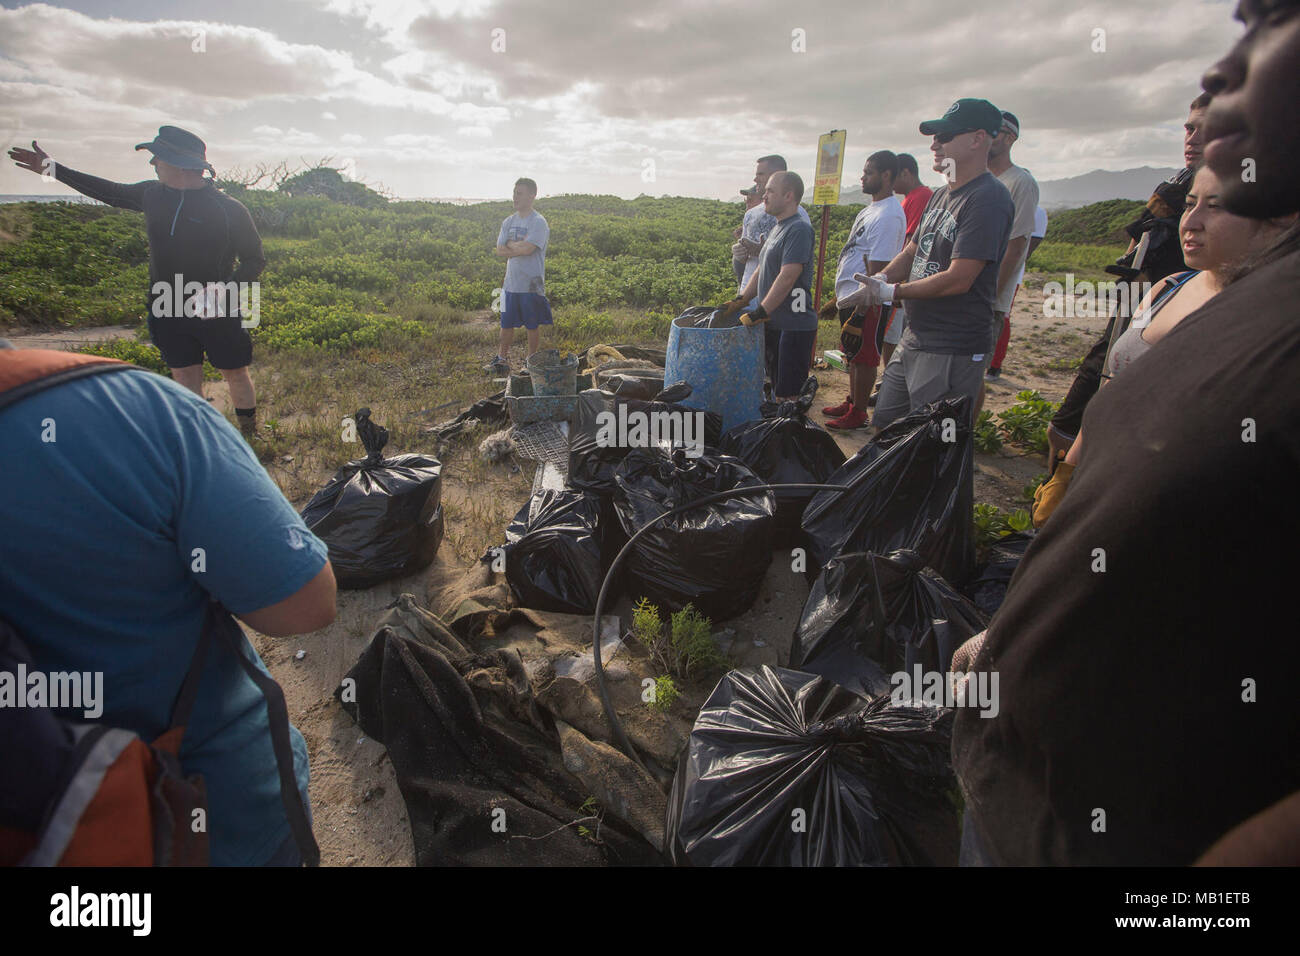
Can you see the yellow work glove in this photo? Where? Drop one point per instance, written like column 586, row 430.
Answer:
column 1050, row 493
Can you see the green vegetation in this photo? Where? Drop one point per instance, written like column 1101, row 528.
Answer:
column 1028, row 491
column 1025, row 423
column 686, row 648
column 992, row 524
column 1097, row 224
column 666, row 693
column 1084, row 261
column 987, row 437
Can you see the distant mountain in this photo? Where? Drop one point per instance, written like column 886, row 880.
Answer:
column 1096, row 186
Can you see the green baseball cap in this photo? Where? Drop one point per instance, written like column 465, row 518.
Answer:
column 966, row 114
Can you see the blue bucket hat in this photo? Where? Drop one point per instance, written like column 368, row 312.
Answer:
column 180, row 148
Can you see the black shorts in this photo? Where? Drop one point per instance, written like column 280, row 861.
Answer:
column 183, row 341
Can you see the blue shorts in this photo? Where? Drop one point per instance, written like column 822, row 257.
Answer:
column 525, row 310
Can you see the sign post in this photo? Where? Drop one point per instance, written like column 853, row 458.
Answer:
column 826, row 193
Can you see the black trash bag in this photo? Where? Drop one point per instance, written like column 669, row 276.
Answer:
column 591, row 464
column 634, row 384
column 872, row 615
column 988, row 587
column 784, row 446
column 485, row 411
column 909, row 488
column 713, row 556
column 555, row 551
column 872, row 778
column 381, row 517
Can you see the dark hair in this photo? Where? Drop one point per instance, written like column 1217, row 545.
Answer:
column 907, row 164
column 1200, row 103
column 527, row 184
column 885, row 162
column 792, row 182
column 774, row 160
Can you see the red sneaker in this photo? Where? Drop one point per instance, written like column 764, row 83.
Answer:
column 843, row 408
column 850, row 419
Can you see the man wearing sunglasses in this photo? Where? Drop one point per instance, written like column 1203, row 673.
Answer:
column 951, row 269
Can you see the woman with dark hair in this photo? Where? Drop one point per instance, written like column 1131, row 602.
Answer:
column 1219, row 247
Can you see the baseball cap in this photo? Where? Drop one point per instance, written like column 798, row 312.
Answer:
column 966, row 114
column 179, row 147
column 1010, row 123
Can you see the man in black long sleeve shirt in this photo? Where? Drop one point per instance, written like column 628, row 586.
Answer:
column 196, row 235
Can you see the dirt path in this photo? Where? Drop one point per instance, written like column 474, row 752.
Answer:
column 66, row 338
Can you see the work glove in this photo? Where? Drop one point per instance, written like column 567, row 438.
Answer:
column 738, row 250
column 872, row 290
column 759, row 314
column 829, row 311
column 729, row 309
column 1050, row 493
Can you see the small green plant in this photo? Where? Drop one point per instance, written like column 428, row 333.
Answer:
column 665, row 695
column 987, row 438
column 647, row 626
column 1020, row 520
column 692, row 642
column 992, row 524
column 687, row 647
column 590, row 808
column 1025, row 423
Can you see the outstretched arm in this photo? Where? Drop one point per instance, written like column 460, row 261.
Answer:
column 121, row 195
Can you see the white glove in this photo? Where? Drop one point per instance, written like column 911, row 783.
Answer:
column 738, row 250
column 883, row 293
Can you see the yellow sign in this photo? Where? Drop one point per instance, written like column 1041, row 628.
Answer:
column 830, row 167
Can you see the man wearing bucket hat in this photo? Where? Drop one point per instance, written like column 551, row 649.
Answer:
column 196, row 235
column 951, row 268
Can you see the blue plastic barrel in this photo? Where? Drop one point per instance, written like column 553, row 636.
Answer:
column 723, row 366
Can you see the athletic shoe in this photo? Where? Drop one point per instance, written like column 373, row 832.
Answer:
column 498, row 366
column 993, row 373
column 843, row 408
column 852, row 419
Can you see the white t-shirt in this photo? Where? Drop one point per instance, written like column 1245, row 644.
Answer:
column 1040, row 230
column 1024, row 194
column 877, row 234
column 756, row 227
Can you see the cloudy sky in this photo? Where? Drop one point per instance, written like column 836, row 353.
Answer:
column 443, row 98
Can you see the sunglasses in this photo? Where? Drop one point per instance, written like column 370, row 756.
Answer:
column 948, row 137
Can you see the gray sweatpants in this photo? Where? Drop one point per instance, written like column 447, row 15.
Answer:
column 914, row 379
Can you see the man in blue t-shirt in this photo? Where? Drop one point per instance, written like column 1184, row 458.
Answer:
column 130, row 502
column 522, row 242
column 780, row 288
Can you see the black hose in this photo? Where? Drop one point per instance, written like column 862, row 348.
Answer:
column 620, row 736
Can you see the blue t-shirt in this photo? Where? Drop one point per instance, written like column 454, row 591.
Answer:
column 791, row 241
column 99, row 572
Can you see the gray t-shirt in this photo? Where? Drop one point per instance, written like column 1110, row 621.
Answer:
column 525, row 273
column 1024, row 195
column 971, row 222
column 790, row 241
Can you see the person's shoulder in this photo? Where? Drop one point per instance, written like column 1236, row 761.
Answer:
column 536, row 216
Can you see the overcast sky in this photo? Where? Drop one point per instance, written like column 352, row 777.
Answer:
column 440, row 98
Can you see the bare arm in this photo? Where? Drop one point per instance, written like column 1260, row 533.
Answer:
column 309, row 609
column 1010, row 260
column 517, row 247
column 1269, row 838
column 954, row 280
column 1033, row 244
column 781, row 286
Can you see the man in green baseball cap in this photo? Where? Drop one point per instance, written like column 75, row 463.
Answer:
column 951, row 270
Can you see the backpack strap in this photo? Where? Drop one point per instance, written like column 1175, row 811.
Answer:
column 24, row 372
column 229, row 633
